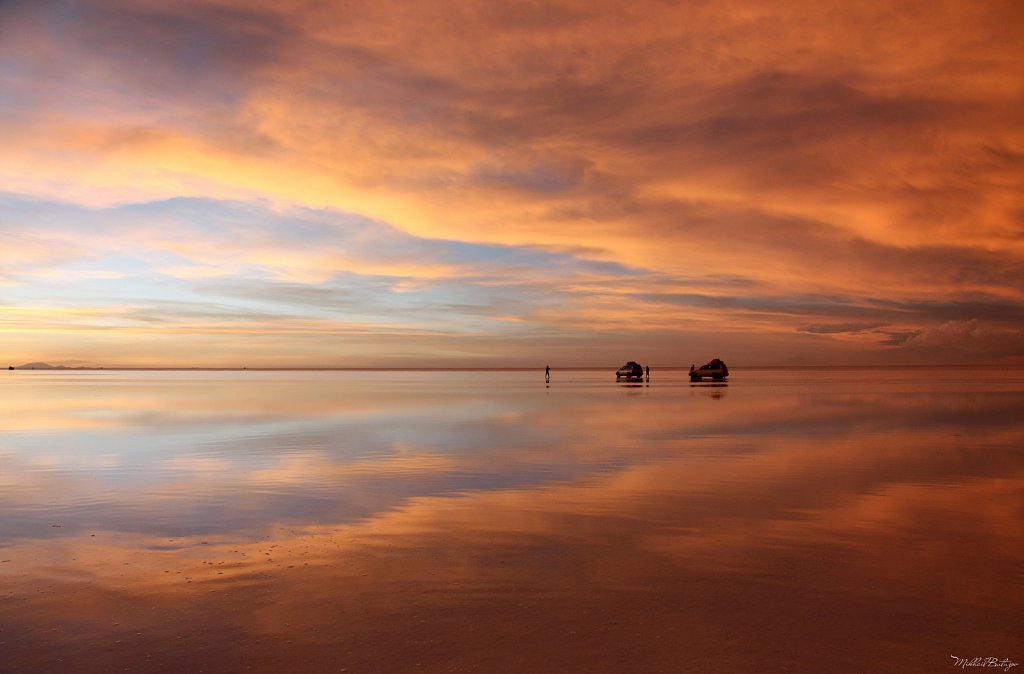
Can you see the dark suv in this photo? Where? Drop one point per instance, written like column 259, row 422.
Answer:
column 630, row 370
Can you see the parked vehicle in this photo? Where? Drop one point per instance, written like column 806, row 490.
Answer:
column 630, row 372
column 716, row 370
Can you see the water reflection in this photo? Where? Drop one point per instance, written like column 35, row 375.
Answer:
column 477, row 519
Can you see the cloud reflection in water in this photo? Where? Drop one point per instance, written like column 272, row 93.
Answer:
column 329, row 504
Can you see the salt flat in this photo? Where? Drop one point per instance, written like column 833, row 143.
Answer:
column 841, row 520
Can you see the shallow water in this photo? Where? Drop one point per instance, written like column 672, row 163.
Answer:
column 800, row 520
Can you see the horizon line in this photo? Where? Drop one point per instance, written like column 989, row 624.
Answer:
column 437, row 368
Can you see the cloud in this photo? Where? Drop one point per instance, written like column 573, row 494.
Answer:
column 839, row 328
column 549, row 163
column 971, row 338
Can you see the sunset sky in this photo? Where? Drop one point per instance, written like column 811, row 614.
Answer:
column 480, row 183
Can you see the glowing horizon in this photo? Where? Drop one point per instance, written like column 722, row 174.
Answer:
column 266, row 184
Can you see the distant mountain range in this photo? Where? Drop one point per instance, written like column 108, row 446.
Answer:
column 42, row 366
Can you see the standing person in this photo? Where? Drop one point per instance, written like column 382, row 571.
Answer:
column 547, row 373
column 647, row 371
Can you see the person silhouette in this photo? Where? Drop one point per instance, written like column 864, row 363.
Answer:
column 647, row 371
column 547, row 372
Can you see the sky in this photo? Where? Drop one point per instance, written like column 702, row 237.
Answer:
column 219, row 183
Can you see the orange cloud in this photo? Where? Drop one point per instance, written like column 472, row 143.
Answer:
column 873, row 158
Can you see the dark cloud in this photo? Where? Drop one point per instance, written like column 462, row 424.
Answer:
column 839, row 328
column 897, row 337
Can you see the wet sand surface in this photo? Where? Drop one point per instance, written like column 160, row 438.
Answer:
column 803, row 521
